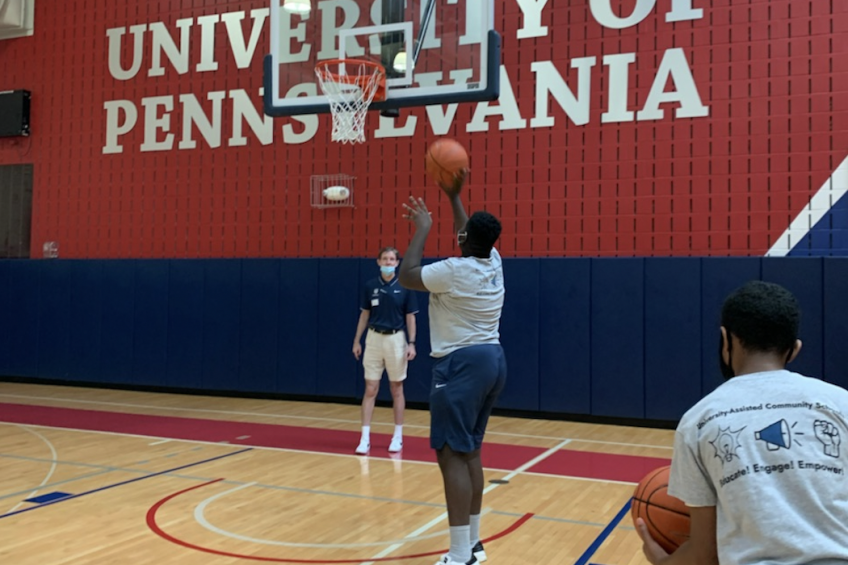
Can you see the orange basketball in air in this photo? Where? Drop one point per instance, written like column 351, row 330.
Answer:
column 667, row 517
column 444, row 159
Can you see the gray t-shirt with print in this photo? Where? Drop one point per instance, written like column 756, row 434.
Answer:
column 466, row 300
column 769, row 451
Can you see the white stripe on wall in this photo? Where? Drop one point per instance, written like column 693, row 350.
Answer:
column 826, row 196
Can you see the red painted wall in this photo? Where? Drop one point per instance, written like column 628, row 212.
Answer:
column 773, row 75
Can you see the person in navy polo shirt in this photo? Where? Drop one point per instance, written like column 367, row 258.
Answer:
column 469, row 367
column 387, row 309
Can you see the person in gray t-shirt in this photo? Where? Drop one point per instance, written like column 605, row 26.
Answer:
column 469, row 367
column 760, row 461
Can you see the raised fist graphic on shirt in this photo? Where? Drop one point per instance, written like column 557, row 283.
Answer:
column 827, row 433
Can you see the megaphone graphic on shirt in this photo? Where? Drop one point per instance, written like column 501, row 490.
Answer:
column 776, row 435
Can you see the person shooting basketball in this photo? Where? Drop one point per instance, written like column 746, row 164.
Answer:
column 758, row 461
column 469, row 368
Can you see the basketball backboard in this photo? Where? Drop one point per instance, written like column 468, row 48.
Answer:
column 434, row 51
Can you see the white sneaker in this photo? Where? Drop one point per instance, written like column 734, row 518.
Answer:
column 363, row 447
column 479, row 552
column 446, row 560
column 396, row 445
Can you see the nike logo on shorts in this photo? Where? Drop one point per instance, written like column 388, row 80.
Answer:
column 442, row 385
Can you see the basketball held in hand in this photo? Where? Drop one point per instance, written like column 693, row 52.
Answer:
column 667, row 517
column 444, row 160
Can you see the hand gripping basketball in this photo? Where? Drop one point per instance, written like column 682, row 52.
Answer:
column 661, row 519
column 455, row 187
column 446, row 162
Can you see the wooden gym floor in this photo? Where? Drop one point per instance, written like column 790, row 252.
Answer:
column 90, row 476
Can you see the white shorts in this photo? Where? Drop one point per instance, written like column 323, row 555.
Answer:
column 385, row 352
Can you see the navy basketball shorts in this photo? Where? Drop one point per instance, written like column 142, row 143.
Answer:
column 466, row 384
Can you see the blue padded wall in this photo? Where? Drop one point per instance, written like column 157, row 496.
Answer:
column 54, row 308
column 835, row 322
column 337, row 308
column 150, row 322
column 221, row 301
column 672, row 336
column 520, row 334
column 118, row 300
column 634, row 338
column 85, row 280
column 565, row 369
column 6, row 327
column 299, row 344
column 618, row 292
column 803, row 277
column 22, row 312
column 185, row 324
column 258, row 322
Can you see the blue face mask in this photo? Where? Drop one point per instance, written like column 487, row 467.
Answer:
column 387, row 270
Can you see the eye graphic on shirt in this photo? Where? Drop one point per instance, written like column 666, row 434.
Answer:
column 726, row 444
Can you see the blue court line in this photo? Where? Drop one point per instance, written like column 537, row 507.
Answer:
column 584, row 559
column 107, row 487
column 54, row 485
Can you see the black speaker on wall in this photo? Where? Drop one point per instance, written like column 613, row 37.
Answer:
column 14, row 113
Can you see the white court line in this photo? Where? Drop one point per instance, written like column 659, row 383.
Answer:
column 160, row 442
column 323, row 453
column 200, row 517
column 312, row 418
column 487, row 490
column 54, row 457
column 535, row 460
column 417, row 535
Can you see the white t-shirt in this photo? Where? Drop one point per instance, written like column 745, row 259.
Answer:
column 769, row 451
column 466, row 299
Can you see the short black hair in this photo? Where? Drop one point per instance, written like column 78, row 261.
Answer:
column 763, row 316
column 483, row 231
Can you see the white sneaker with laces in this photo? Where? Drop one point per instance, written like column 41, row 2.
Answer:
column 479, row 552
column 364, row 446
column 396, row 445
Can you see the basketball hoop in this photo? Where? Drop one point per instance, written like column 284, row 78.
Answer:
column 350, row 86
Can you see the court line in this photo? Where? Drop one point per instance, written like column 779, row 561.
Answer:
column 154, row 527
column 107, row 487
column 590, row 551
column 487, row 490
column 539, row 458
column 200, row 517
column 109, row 469
column 52, row 470
column 393, row 545
column 310, row 452
column 313, row 418
column 64, row 482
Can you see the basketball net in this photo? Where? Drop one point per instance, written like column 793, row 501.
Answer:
column 350, row 86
